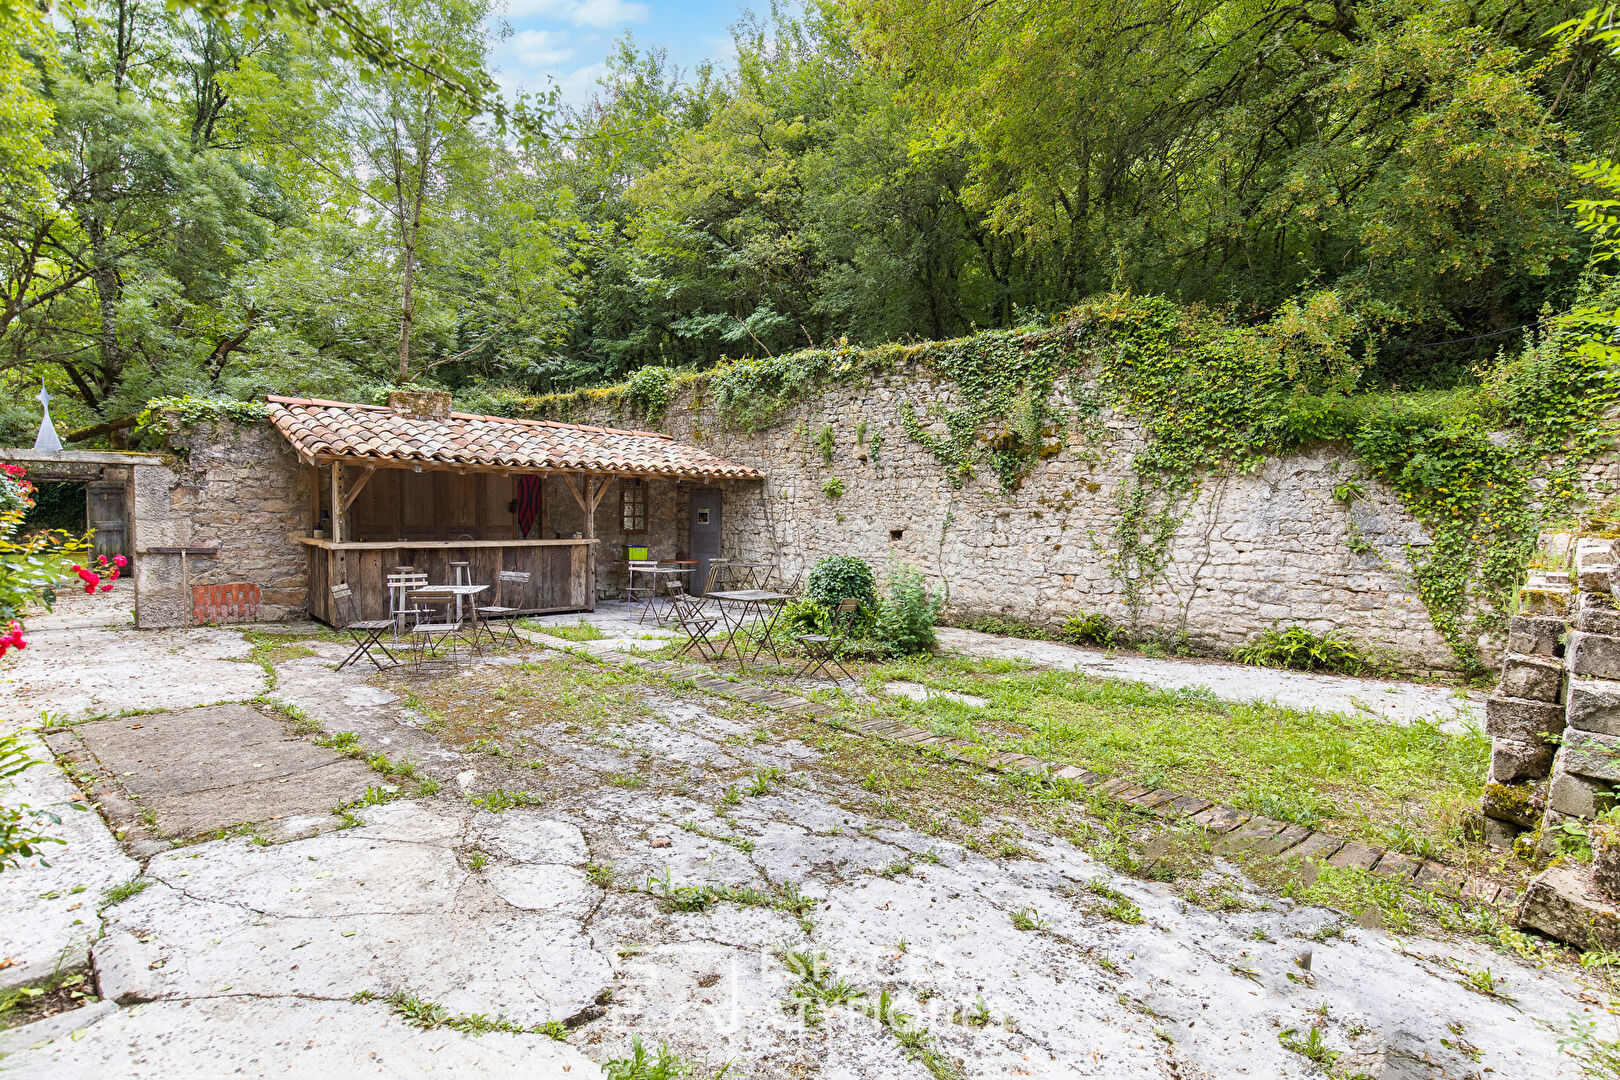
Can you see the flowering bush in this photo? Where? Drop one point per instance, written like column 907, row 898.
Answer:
column 30, row 567
column 103, row 575
column 16, row 492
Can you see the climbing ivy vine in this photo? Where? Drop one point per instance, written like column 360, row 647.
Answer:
column 1482, row 468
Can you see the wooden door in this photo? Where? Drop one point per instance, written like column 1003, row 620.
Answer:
column 705, row 533
column 105, row 513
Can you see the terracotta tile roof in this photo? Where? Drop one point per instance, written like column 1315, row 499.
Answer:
column 335, row 429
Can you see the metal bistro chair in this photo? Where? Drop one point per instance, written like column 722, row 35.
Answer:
column 433, row 631
column 689, row 616
column 646, row 592
column 717, row 576
column 499, row 610
column 822, row 649
column 366, row 633
column 400, row 585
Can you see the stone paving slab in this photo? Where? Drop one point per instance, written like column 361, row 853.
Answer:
column 205, row 769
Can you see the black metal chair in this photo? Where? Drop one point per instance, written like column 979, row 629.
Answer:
column 366, row 633
column 821, row 650
column 694, row 623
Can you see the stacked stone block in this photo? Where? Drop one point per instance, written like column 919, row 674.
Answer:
column 1587, row 766
column 1554, row 719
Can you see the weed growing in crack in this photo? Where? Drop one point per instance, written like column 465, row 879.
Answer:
column 666, row 1064
column 344, row 742
column 731, row 797
column 477, row 860
column 380, row 762
column 498, row 799
column 816, row 988
column 741, row 843
column 1482, row 981
column 117, row 894
column 429, row 1015
column 1119, row 907
column 1312, row 1047
column 600, row 875
column 626, row 780
column 1029, row 919
column 905, row 864
column 554, row 1029
column 765, row 779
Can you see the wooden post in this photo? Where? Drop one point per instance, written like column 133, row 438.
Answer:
column 337, row 503
column 314, row 498
column 589, row 508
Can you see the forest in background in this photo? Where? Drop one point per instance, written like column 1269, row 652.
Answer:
column 224, row 199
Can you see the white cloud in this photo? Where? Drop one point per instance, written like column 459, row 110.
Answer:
column 599, row 13
column 538, row 48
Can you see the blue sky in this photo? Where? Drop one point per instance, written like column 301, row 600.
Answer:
column 569, row 39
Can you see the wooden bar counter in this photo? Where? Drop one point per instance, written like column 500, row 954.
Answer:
column 562, row 573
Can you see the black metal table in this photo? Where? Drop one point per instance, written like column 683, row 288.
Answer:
column 763, row 605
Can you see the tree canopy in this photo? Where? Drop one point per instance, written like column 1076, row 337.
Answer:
column 329, row 196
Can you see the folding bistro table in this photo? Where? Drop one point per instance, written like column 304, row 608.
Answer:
column 762, row 605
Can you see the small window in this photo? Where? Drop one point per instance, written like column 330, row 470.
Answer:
column 897, row 534
column 633, row 506
column 703, row 517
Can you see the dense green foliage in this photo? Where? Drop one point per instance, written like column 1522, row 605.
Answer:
column 842, row 577
column 197, row 199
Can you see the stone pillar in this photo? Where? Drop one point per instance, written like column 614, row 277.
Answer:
column 162, row 598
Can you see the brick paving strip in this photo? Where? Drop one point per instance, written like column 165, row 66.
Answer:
column 1235, row 830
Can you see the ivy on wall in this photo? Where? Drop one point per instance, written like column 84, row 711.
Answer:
column 1482, row 468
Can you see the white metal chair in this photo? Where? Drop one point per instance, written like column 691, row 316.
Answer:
column 430, row 633
column 502, row 610
column 400, row 610
column 644, row 593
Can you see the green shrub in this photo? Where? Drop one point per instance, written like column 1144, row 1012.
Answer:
column 905, row 621
column 1297, row 648
column 1093, row 629
column 832, row 487
column 842, row 577
column 1005, row 627
column 650, row 389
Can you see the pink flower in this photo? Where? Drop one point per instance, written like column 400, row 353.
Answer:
column 120, row 561
column 107, row 586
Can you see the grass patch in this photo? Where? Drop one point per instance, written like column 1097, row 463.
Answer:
column 490, row 709
column 117, row 894
column 580, row 631
column 1412, row 786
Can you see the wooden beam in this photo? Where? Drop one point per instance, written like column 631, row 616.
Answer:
column 607, row 481
column 573, row 489
column 359, row 486
column 590, row 514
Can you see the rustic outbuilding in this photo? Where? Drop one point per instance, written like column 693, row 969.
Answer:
column 415, row 484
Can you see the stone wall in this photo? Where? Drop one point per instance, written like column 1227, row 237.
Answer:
column 238, row 487
column 1253, row 550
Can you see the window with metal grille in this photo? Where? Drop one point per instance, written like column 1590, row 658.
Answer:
column 633, row 506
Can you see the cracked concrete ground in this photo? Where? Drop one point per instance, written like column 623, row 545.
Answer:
column 253, row 955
